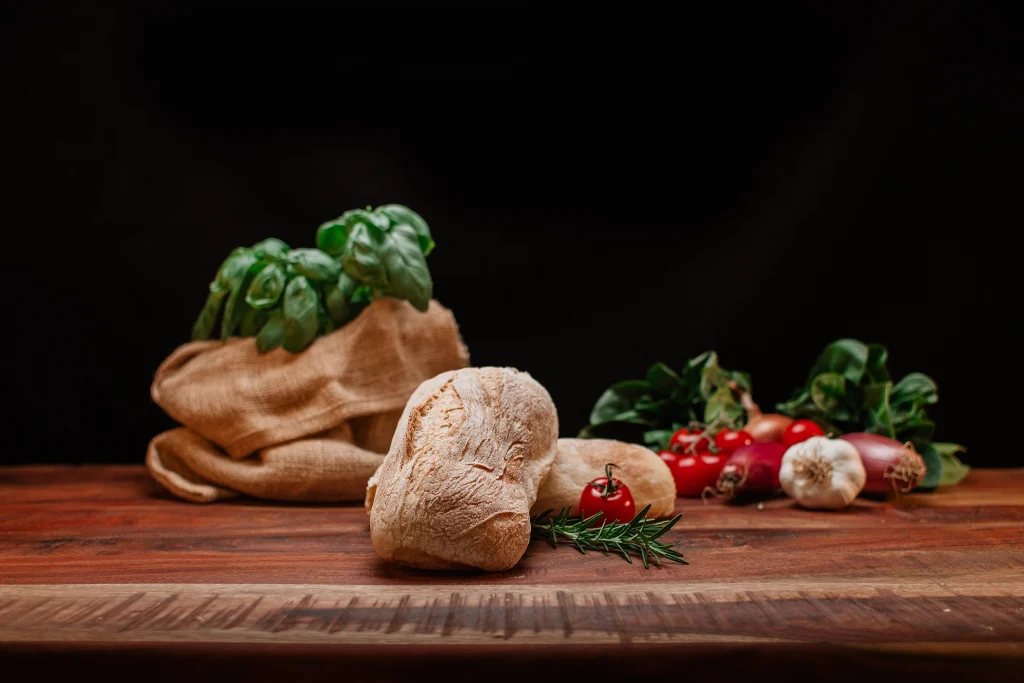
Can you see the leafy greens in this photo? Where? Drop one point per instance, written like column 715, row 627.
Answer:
column 649, row 410
column 287, row 297
column 849, row 389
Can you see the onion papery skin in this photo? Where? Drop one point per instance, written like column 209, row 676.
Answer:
column 892, row 467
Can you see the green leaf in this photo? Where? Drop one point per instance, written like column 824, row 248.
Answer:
column 407, row 272
column 953, row 471
column 272, row 334
column 662, row 378
column 362, row 260
column 847, row 357
column 314, row 264
column 617, row 399
column 272, row 248
column 246, row 267
column 794, row 405
column 332, row 237
column 878, row 419
column 723, row 401
column 207, row 320
column 658, row 438
column 252, row 322
column 267, row 287
column 827, row 390
column 874, row 369
column 933, row 466
column 400, row 215
column 742, row 380
column 712, row 377
column 919, row 431
column 300, row 314
column 916, row 389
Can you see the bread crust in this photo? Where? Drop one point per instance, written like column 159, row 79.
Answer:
column 465, row 463
column 579, row 461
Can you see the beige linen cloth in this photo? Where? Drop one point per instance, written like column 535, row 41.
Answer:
column 311, row 426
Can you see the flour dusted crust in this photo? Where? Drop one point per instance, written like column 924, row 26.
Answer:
column 580, row 461
column 456, row 487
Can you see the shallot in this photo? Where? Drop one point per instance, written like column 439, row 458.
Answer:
column 892, row 467
column 752, row 470
column 822, row 473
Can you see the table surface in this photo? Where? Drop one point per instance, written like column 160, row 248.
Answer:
column 98, row 560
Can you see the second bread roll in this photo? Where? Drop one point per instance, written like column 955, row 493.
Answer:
column 580, row 461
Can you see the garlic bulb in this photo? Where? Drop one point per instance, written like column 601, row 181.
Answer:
column 822, row 473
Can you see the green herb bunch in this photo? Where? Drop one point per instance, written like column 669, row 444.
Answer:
column 638, row 536
column 849, row 389
column 649, row 410
column 287, row 297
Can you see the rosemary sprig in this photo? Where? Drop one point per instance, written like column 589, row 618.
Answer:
column 639, row 536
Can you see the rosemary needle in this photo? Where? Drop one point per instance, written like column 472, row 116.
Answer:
column 638, row 536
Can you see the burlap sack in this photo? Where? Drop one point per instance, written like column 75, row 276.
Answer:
column 311, row 426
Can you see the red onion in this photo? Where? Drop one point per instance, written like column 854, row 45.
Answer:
column 752, row 470
column 892, row 467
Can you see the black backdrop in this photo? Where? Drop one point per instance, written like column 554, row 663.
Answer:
column 601, row 199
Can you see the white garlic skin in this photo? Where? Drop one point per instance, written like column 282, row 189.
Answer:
column 822, row 473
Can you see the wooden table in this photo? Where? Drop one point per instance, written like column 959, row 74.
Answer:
column 99, row 561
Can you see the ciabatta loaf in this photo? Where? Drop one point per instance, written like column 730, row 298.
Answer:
column 456, row 487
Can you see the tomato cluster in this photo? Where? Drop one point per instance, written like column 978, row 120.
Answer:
column 696, row 460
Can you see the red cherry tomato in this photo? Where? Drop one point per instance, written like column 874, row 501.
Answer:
column 801, row 430
column 728, row 440
column 608, row 495
column 683, row 439
column 713, row 464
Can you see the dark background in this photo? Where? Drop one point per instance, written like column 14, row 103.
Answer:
column 601, row 199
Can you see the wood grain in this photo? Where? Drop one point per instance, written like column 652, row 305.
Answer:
column 94, row 558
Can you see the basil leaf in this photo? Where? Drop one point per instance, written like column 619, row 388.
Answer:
column 407, row 272
column 267, row 287
column 400, row 215
column 874, row 368
column 953, row 471
column 324, row 324
column 314, row 264
column 252, row 321
column 933, row 466
column 332, row 236
column 848, row 357
column 915, row 389
column 244, row 270
column 361, row 259
column 827, row 390
column 662, row 378
column 272, row 334
column 300, row 314
column 272, row 248
column 617, row 399
column 877, row 418
column 207, row 320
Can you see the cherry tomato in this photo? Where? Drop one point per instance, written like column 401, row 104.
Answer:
column 608, row 495
column 682, row 440
column 728, row 440
column 713, row 464
column 801, row 430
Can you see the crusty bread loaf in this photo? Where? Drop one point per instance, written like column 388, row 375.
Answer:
column 456, row 487
column 580, row 461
